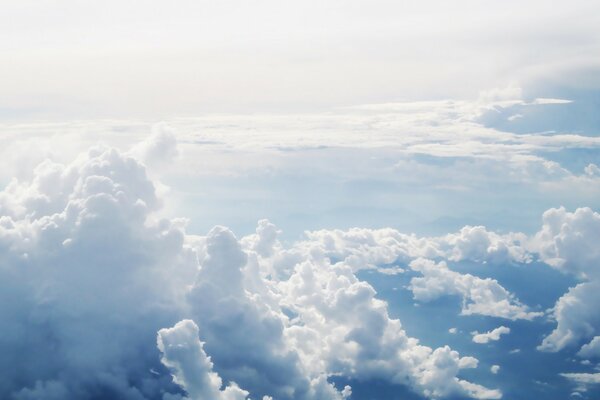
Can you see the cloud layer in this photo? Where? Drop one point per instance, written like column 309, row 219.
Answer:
column 91, row 274
column 98, row 273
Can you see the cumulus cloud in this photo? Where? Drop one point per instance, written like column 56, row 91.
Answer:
column 568, row 241
column 479, row 296
column 368, row 248
column 476, row 243
column 245, row 330
column 264, row 241
column 77, row 232
column 159, row 148
column 576, row 316
column 90, row 273
column 331, row 319
column 493, row 335
column 372, row 248
column 278, row 320
column 582, row 379
column 87, row 274
column 342, row 325
column 184, row 354
column 494, row 369
column 591, row 350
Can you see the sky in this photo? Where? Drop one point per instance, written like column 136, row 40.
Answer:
column 299, row 200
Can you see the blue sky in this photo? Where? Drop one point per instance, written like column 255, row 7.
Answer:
column 277, row 200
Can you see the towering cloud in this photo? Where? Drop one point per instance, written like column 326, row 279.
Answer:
column 87, row 277
column 90, row 273
column 569, row 242
column 183, row 352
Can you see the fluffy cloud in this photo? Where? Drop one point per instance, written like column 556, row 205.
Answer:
column 492, row 335
column 183, row 353
column 478, row 244
column 90, row 273
column 582, row 380
column 369, row 248
column 278, row 320
column 157, row 149
column 87, row 275
column 342, row 326
column 576, row 316
column 479, row 296
column 265, row 239
column 569, row 242
column 591, row 350
column 244, row 326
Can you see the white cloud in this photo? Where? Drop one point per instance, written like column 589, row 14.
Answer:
column 372, row 248
column 542, row 100
column 592, row 170
column 158, row 149
column 244, row 326
column 576, row 316
column 183, row 352
column 68, row 237
column 265, row 240
column 494, row 369
column 582, row 380
column 568, row 241
column 342, row 327
column 591, row 350
column 277, row 320
column 346, row 392
column 492, row 335
column 480, row 296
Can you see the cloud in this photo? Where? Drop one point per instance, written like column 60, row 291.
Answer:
column 332, row 320
column 568, row 242
column 494, row 369
column 76, row 232
column 278, row 320
column 87, row 274
column 265, row 239
column 576, row 317
column 492, row 335
column 370, row 248
column 479, row 296
column 245, row 331
column 342, row 326
column 590, row 350
column 582, row 380
column 158, row 149
column 184, row 354
column 478, row 244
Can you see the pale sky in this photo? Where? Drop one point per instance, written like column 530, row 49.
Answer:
column 81, row 59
